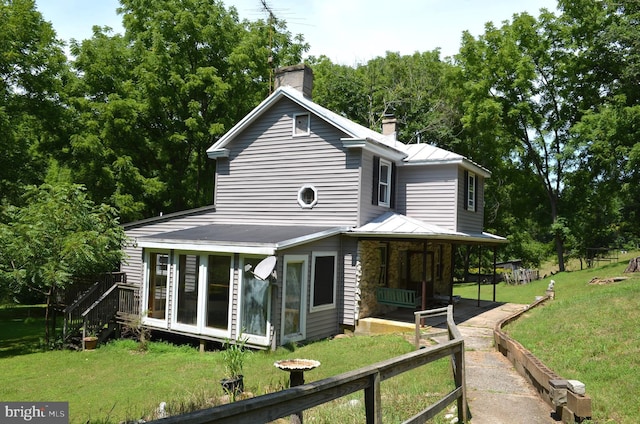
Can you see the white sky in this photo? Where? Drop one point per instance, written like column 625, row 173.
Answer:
column 349, row 32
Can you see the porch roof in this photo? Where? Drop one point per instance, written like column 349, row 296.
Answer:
column 395, row 225
column 238, row 238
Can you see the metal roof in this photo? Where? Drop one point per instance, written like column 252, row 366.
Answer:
column 393, row 225
column 241, row 238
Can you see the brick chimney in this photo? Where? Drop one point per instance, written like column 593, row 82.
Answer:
column 299, row 77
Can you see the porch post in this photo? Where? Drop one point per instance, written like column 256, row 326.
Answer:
column 479, row 269
column 495, row 280
column 453, row 265
column 424, row 277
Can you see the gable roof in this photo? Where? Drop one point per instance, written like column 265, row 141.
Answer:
column 354, row 131
column 357, row 135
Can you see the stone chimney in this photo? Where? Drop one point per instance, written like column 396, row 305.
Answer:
column 389, row 124
column 299, row 77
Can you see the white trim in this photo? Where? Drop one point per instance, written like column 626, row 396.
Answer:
column 301, row 200
column 202, row 307
column 373, row 147
column 144, row 304
column 387, row 201
column 304, row 259
column 252, row 338
column 472, row 196
column 327, row 306
column 190, row 328
column 204, row 246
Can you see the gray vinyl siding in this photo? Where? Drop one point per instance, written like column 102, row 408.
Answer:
column 267, row 166
column 470, row 221
column 134, row 262
column 368, row 210
column 319, row 324
column 349, row 297
column 429, row 193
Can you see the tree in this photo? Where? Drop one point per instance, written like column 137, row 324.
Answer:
column 525, row 96
column 59, row 234
column 152, row 101
column 32, row 68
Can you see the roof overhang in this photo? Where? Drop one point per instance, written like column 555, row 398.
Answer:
column 237, row 238
column 373, row 147
column 393, row 225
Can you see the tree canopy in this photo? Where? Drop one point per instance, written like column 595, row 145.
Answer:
column 59, row 234
column 548, row 103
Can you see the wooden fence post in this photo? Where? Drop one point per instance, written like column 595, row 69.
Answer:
column 373, row 400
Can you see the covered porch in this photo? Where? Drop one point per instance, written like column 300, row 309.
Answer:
column 406, row 264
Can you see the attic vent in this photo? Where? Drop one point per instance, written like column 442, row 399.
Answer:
column 301, row 124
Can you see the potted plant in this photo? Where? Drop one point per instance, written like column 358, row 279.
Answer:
column 90, row 340
column 233, row 357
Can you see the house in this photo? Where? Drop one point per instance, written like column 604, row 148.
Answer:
column 317, row 222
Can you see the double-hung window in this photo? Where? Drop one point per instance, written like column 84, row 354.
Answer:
column 470, row 191
column 384, row 184
column 383, row 171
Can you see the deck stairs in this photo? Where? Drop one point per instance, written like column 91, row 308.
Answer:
column 100, row 310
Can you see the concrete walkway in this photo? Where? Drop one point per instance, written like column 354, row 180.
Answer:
column 496, row 393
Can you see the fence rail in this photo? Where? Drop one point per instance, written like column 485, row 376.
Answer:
column 269, row 407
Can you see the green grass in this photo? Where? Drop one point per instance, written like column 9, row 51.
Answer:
column 590, row 333
column 116, row 382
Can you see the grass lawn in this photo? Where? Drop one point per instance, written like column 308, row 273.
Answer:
column 116, row 382
column 588, row 333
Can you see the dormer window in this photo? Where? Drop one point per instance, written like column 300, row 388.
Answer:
column 307, row 196
column 301, row 124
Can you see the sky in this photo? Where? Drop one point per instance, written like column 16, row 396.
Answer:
column 349, row 32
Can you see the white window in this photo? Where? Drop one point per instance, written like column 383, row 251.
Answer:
column 471, row 191
column 384, row 183
column 324, row 276
column 307, row 196
column 157, row 271
column 301, row 124
column 200, row 284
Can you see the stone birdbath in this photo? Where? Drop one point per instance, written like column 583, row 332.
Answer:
column 296, row 369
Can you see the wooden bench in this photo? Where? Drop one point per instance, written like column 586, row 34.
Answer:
column 401, row 298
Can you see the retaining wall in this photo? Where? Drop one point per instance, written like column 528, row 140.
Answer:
column 573, row 407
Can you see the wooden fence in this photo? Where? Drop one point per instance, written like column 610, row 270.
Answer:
column 269, row 407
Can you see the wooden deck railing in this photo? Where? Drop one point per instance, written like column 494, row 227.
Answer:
column 269, row 407
column 74, row 314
